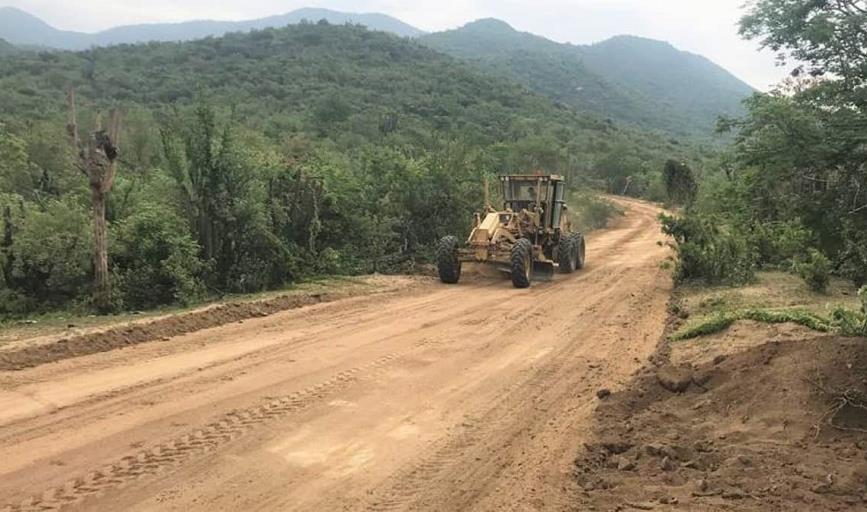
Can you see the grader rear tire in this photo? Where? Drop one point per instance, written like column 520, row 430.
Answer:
column 448, row 264
column 522, row 263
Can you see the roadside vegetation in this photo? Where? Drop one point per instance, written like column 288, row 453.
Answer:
column 252, row 161
column 71, row 322
column 791, row 193
column 772, row 297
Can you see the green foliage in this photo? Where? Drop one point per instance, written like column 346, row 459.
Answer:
column 815, row 270
column 708, row 251
column 853, row 323
column 803, row 318
column 794, row 181
column 45, row 254
column 722, row 321
column 712, row 325
column 778, row 244
column 829, row 37
column 155, row 260
column 680, row 184
column 591, row 211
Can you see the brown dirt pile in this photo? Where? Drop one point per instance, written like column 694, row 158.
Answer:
column 158, row 330
column 781, row 425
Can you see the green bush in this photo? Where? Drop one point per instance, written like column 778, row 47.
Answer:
column 815, row 270
column 708, row 251
column 46, row 258
column 593, row 212
column 155, row 260
column 779, row 243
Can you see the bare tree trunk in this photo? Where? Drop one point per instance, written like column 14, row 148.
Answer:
column 101, row 283
column 98, row 162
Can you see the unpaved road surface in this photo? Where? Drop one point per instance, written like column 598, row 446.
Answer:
column 468, row 397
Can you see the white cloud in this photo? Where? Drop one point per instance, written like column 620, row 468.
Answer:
column 705, row 27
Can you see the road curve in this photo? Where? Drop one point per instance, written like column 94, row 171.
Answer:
column 467, row 397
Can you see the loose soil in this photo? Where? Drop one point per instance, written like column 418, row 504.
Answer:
column 760, row 418
column 27, row 353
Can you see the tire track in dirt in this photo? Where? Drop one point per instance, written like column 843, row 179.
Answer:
column 202, row 440
column 406, row 485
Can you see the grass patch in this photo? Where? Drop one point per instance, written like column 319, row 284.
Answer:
column 713, row 325
column 773, row 298
column 722, row 321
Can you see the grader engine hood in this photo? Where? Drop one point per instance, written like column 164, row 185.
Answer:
column 491, row 231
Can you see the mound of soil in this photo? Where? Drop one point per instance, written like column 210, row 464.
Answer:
column 781, row 425
column 160, row 329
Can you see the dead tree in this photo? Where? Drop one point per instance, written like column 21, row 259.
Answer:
column 97, row 160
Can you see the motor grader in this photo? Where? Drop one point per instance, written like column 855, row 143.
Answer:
column 526, row 239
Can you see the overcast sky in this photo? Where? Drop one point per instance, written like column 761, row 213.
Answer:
column 706, row 27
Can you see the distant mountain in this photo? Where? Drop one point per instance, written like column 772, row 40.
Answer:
column 679, row 82
column 629, row 79
column 24, row 29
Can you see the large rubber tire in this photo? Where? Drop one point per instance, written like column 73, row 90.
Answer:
column 448, row 264
column 580, row 246
column 522, row 263
column 567, row 254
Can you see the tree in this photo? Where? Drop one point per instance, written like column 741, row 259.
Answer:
column 680, row 184
column 806, row 141
column 828, row 36
column 97, row 160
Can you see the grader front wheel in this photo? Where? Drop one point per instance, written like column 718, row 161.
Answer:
column 448, row 264
column 522, row 263
column 566, row 254
column 579, row 264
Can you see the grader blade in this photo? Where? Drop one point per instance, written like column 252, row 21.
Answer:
column 543, row 270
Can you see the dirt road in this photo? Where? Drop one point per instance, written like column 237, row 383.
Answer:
column 468, row 397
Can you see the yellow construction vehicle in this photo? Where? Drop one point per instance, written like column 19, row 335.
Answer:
column 525, row 239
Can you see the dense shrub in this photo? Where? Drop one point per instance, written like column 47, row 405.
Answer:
column 592, row 212
column 779, row 243
column 45, row 254
column 708, row 251
column 853, row 323
column 814, row 269
column 155, row 260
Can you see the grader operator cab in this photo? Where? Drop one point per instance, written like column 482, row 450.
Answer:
column 525, row 239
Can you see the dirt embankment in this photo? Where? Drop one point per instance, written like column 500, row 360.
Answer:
column 762, row 418
column 28, row 355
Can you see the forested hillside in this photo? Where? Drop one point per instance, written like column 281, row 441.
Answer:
column 629, row 79
column 250, row 160
column 22, row 28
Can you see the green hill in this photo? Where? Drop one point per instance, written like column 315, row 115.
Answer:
column 22, row 28
column 337, row 82
column 639, row 81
